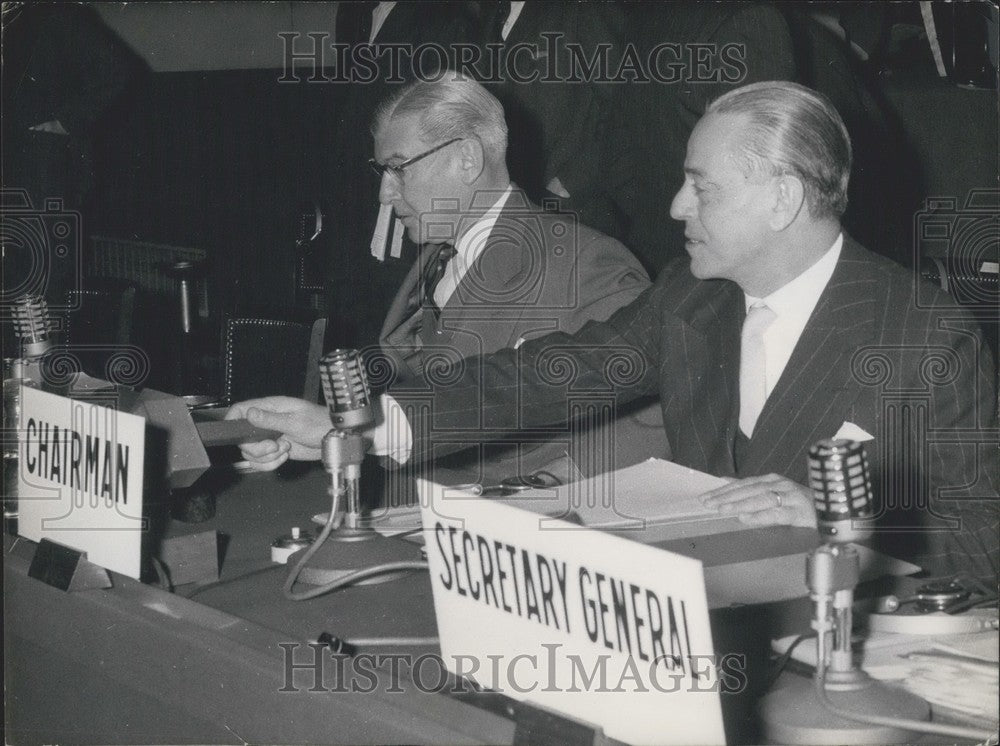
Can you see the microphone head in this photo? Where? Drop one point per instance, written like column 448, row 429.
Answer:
column 32, row 325
column 345, row 387
column 842, row 490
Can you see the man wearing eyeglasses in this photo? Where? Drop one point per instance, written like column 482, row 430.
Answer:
column 493, row 269
column 778, row 331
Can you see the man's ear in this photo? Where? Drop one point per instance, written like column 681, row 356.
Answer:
column 472, row 159
column 789, row 201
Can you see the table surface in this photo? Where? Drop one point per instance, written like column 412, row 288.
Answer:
column 160, row 667
column 136, row 664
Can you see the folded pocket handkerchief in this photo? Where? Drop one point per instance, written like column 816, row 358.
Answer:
column 850, row 431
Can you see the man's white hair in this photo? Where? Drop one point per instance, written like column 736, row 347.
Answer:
column 452, row 107
column 793, row 130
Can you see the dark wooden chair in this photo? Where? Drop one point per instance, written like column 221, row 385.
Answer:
column 101, row 312
column 97, row 332
column 267, row 357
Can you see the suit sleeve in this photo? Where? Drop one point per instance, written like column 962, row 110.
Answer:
column 608, row 277
column 537, row 385
column 962, row 460
column 936, row 410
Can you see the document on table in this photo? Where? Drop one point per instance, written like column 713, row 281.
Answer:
column 655, row 491
column 652, row 492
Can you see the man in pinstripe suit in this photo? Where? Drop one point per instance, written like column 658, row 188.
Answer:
column 848, row 349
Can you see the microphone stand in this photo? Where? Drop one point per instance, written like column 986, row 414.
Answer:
column 345, row 552
column 844, row 705
column 32, row 325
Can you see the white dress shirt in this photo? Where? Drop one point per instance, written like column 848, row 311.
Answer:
column 793, row 304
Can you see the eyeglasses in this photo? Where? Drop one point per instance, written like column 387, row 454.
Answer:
column 382, row 169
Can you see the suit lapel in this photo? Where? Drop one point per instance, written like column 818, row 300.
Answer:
column 494, row 281
column 815, row 390
column 706, row 339
column 403, row 334
column 491, row 281
column 407, row 299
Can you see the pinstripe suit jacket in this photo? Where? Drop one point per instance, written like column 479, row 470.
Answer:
column 876, row 352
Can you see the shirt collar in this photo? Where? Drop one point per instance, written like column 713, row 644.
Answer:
column 801, row 294
column 472, row 241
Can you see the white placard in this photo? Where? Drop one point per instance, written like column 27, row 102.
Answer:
column 597, row 627
column 80, row 478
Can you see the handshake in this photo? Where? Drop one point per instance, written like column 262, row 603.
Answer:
column 302, row 426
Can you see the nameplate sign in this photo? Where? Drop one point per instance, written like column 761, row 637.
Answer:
column 596, row 627
column 80, row 471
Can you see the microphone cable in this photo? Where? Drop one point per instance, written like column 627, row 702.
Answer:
column 349, row 579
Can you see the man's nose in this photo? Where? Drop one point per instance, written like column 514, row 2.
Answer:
column 388, row 189
column 681, row 206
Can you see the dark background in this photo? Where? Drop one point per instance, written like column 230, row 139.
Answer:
column 226, row 160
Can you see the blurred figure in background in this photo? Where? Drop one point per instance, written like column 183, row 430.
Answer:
column 560, row 121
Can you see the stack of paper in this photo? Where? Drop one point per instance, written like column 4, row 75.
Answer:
column 654, row 492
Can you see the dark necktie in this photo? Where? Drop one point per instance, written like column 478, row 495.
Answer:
column 406, row 341
column 433, row 273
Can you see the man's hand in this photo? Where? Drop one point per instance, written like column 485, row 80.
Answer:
column 770, row 500
column 302, row 423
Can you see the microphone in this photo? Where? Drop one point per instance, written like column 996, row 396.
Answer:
column 310, row 225
column 842, row 490
column 32, row 325
column 355, row 554
column 844, row 705
column 345, row 388
column 348, row 401
column 309, row 257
